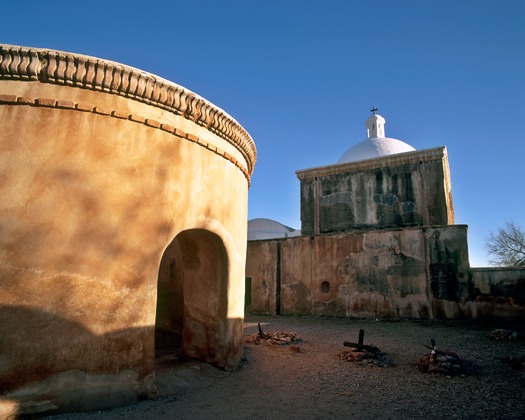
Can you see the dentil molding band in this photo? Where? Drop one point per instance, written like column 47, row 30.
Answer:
column 48, row 66
column 64, row 104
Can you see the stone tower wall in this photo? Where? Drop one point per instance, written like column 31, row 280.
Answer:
column 408, row 189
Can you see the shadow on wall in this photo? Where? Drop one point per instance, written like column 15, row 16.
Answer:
column 50, row 364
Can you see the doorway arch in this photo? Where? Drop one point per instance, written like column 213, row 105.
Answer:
column 192, row 296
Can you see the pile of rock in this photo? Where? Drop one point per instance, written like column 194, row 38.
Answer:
column 279, row 338
column 444, row 362
column 369, row 357
column 501, row 334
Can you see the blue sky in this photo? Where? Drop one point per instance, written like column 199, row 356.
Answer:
column 301, row 77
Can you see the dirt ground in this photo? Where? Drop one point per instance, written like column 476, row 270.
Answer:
column 310, row 380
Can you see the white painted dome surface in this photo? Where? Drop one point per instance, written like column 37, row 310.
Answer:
column 375, row 148
column 376, row 145
column 259, row 229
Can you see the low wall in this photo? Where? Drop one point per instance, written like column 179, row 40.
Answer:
column 499, row 293
column 395, row 273
column 405, row 273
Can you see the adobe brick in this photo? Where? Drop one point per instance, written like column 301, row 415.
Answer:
column 26, row 100
column 8, row 98
column 102, row 111
column 85, row 107
column 152, row 123
column 120, row 114
column 167, row 127
column 46, row 102
column 179, row 132
column 66, row 104
column 137, row 118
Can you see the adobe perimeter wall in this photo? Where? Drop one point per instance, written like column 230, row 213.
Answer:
column 403, row 273
column 101, row 167
column 390, row 273
column 499, row 292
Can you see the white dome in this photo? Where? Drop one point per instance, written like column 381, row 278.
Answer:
column 374, row 148
column 376, row 145
column 269, row 229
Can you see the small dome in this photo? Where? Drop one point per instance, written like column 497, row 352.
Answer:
column 376, row 145
column 269, row 229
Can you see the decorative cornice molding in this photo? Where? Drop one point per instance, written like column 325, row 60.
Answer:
column 83, row 107
column 418, row 156
column 62, row 68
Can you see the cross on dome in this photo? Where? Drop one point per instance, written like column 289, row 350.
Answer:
column 374, row 110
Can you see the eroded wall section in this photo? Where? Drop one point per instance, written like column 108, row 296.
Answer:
column 389, row 273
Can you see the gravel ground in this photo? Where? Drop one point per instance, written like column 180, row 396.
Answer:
column 311, row 381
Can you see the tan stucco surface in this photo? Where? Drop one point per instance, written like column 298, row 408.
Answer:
column 94, row 186
column 261, row 266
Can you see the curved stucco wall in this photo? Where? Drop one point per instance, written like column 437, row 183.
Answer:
column 101, row 167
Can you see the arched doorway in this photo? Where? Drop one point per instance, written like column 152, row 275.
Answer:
column 191, row 296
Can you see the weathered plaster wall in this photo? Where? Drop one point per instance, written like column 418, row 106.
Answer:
column 101, row 167
column 449, row 271
column 387, row 273
column 261, row 265
column 409, row 189
column 408, row 273
column 498, row 292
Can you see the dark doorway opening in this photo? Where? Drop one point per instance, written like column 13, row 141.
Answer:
column 248, row 291
column 191, row 297
column 170, row 303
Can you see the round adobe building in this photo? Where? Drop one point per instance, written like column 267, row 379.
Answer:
column 123, row 209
